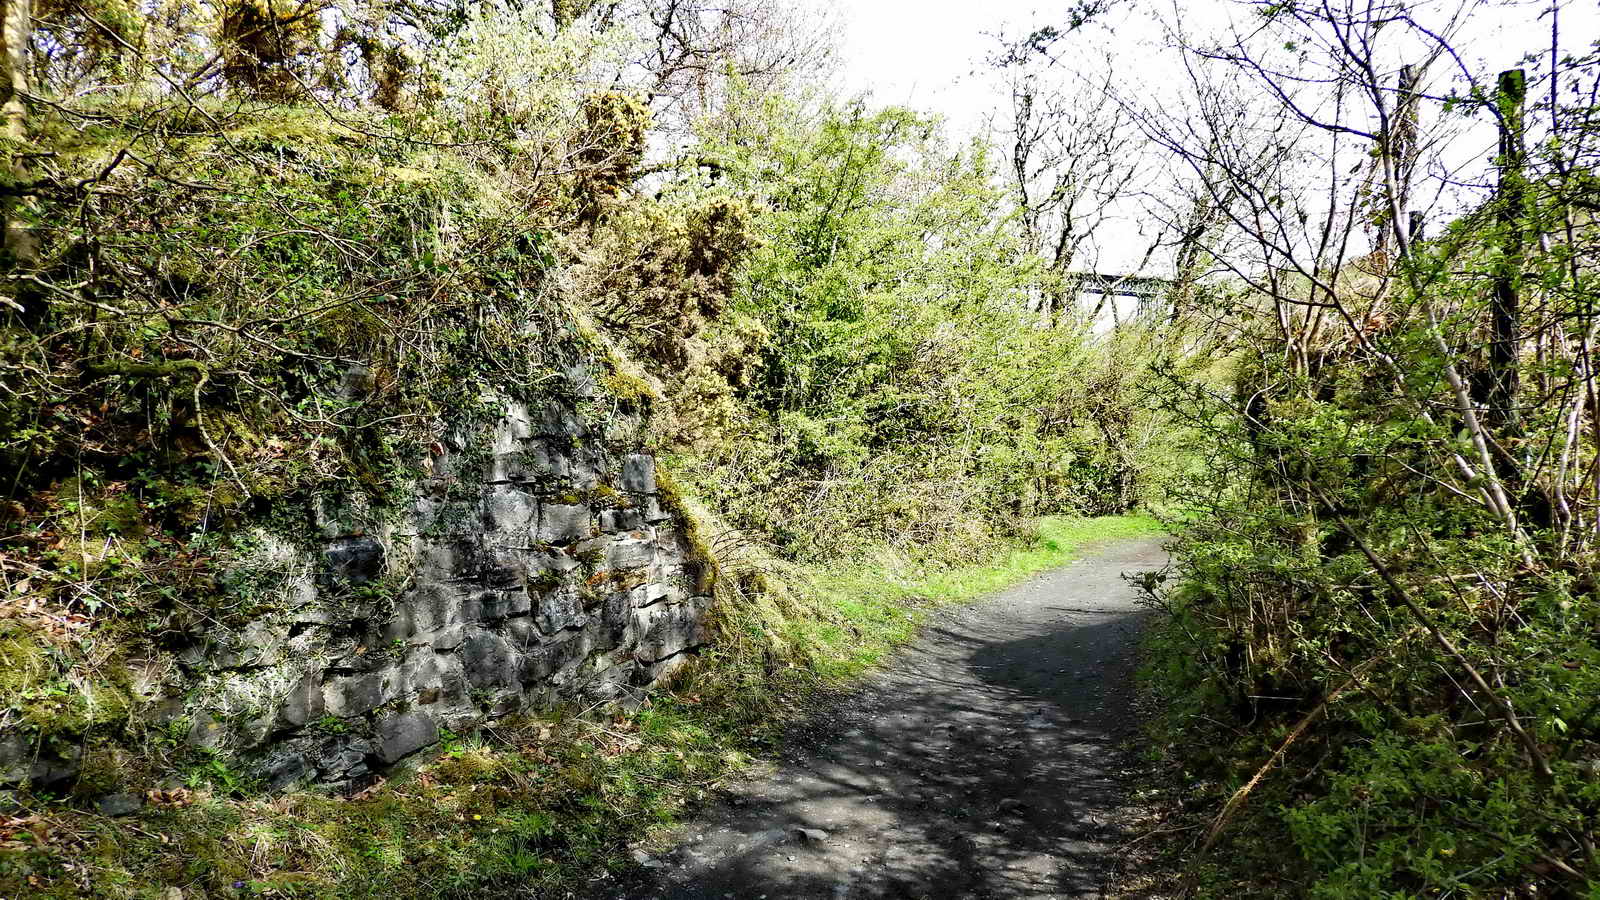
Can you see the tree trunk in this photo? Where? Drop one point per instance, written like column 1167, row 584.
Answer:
column 1399, row 148
column 16, row 33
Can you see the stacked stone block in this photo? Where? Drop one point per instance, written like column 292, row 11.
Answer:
column 539, row 566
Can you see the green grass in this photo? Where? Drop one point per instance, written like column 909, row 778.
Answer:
column 882, row 601
column 544, row 805
column 1060, row 541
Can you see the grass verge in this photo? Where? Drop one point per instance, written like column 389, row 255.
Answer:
column 536, row 807
column 883, row 599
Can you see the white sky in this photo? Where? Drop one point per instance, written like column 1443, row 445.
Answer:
column 929, row 54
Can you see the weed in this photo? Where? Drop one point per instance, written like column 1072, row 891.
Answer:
column 331, row 724
column 215, row 773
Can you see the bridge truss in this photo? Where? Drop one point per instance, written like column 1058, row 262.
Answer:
column 1152, row 293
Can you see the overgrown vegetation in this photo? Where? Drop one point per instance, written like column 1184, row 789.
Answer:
column 1381, row 636
column 261, row 259
column 873, row 375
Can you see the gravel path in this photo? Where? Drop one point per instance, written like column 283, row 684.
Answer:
column 981, row 762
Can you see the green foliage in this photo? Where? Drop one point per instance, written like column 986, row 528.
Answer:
column 876, row 378
column 1409, row 779
column 213, row 772
column 248, row 315
column 271, row 316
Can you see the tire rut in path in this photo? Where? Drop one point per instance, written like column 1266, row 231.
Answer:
column 981, row 762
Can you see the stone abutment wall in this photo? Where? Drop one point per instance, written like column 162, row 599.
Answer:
column 538, row 564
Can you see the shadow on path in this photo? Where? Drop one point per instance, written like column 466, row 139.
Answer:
column 981, row 762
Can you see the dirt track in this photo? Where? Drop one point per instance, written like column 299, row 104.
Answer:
column 981, row 762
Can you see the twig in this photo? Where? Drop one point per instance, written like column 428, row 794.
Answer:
column 1159, row 831
column 1540, row 764
column 1232, row 807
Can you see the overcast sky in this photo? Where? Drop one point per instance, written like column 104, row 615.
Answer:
column 930, row 54
column 924, row 53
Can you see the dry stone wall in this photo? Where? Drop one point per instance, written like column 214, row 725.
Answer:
column 539, row 565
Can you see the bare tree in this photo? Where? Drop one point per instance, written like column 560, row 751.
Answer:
column 1359, row 104
column 1205, row 127
column 1392, row 386
column 1074, row 154
column 698, row 51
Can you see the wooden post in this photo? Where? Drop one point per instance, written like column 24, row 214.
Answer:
column 1398, row 147
column 1510, row 198
column 1403, row 135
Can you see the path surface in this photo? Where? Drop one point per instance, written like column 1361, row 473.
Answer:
column 982, row 762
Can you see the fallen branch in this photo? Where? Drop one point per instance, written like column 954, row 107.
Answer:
column 1231, row 808
column 1236, row 802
